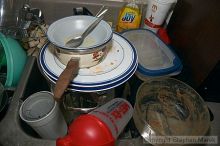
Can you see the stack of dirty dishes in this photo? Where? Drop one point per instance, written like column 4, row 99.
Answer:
column 102, row 60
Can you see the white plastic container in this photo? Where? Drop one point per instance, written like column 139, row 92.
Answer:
column 157, row 12
column 42, row 113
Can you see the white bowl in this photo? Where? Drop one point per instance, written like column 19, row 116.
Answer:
column 64, row 29
column 96, row 43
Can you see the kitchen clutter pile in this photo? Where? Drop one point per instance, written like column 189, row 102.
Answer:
column 164, row 106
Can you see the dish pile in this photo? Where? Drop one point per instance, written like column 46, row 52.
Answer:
column 106, row 59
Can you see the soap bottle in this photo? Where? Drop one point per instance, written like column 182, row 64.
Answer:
column 129, row 16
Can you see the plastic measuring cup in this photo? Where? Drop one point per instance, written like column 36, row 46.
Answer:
column 101, row 127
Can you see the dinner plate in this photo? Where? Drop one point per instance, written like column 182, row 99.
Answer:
column 96, row 88
column 127, row 58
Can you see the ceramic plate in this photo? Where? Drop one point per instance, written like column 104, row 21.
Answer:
column 127, row 58
column 97, row 88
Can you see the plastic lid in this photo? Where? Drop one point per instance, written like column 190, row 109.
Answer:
column 155, row 58
column 87, row 130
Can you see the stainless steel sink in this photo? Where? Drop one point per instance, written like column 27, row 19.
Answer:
column 13, row 131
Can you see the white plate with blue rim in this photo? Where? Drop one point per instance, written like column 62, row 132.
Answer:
column 122, row 54
column 96, row 88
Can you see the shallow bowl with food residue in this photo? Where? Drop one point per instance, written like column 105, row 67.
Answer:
column 94, row 47
column 169, row 107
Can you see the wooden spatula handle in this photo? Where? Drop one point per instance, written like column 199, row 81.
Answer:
column 66, row 77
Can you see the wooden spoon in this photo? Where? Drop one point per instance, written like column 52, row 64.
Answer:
column 66, row 77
